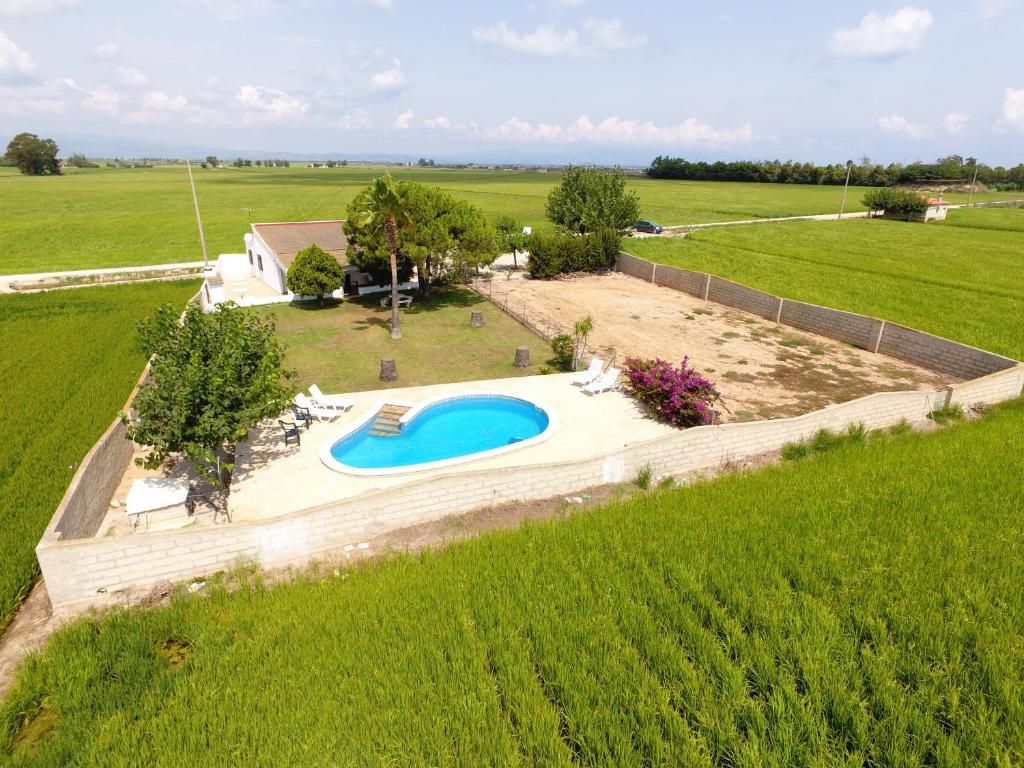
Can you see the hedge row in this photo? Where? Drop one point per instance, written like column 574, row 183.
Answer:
column 551, row 255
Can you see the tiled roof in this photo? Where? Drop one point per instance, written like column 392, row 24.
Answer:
column 288, row 238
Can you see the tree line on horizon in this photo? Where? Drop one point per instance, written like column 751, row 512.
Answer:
column 953, row 168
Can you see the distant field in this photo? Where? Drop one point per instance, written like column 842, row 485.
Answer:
column 69, row 361
column 113, row 217
column 963, row 279
column 339, row 347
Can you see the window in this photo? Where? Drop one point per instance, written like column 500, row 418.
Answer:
column 250, row 255
column 259, row 260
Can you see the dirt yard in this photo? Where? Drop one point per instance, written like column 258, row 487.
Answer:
column 763, row 369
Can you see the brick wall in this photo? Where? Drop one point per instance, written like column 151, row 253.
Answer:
column 90, row 571
column 939, row 354
column 693, row 283
column 993, row 388
column 748, row 299
column 634, row 266
column 859, row 330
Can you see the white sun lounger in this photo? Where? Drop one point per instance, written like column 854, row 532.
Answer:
column 590, row 375
column 607, row 380
column 316, row 411
column 334, row 402
column 403, row 301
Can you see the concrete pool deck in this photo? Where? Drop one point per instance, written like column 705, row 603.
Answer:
column 272, row 479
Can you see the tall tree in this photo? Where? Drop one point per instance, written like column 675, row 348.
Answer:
column 34, row 156
column 382, row 205
column 590, row 199
column 213, row 377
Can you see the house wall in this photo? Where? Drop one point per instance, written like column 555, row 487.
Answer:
column 265, row 265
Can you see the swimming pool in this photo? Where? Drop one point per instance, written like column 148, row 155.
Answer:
column 439, row 432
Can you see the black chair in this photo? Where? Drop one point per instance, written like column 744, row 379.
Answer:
column 291, row 430
column 302, row 415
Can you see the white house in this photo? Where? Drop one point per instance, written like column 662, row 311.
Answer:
column 259, row 276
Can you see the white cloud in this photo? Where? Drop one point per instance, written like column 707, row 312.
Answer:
column 23, row 8
column 16, row 66
column 232, row 10
column 440, row 122
column 106, row 50
column 391, row 79
column 355, row 120
column 596, row 36
column 270, row 103
column 898, row 124
column 990, row 10
column 1013, row 110
column 880, row 37
column 608, row 35
column 158, row 101
column 955, row 123
column 404, row 121
column 130, row 77
column 384, row 5
column 49, row 106
column 102, row 99
column 617, row 130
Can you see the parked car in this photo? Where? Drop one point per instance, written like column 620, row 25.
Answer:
column 647, row 226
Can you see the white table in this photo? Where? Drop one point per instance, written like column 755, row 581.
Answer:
column 154, row 493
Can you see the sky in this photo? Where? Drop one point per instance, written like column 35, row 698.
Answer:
column 541, row 80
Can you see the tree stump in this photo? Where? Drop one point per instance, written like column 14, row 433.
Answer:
column 476, row 320
column 388, row 369
column 522, row 357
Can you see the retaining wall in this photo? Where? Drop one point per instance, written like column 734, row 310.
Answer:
column 88, row 571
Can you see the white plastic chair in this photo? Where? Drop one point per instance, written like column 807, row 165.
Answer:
column 609, row 380
column 334, row 402
column 590, row 375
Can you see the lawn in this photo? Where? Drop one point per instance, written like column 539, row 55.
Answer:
column 339, row 346
column 114, row 217
column 858, row 608
column 963, row 279
column 69, row 362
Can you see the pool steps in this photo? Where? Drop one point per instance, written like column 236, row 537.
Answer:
column 387, row 423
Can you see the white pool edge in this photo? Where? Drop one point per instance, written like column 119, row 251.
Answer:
column 328, row 460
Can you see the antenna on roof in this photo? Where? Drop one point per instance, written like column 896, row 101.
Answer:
column 199, row 221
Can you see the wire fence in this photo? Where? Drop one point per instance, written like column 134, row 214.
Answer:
column 518, row 307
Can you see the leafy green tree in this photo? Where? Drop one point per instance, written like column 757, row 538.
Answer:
column 212, row 161
column 80, row 161
column 510, row 236
column 589, row 199
column 379, row 210
column 213, row 377
column 34, row 156
column 315, row 272
column 444, row 235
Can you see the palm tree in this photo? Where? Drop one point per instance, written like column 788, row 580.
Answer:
column 382, row 200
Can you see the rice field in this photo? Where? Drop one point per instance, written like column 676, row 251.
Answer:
column 962, row 278
column 69, row 362
column 122, row 217
column 857, row 608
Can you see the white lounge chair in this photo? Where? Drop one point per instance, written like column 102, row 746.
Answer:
column 334, row 402
column 316, row 411
column 588, row 376
column 607, row 380
column 403, row 301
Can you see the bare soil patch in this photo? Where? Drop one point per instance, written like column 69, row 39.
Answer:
column 763, row 369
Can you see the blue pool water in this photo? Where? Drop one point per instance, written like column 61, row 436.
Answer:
column 458, row 427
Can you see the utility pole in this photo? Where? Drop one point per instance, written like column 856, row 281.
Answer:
column 970, row 199
column 846, row 186
column 199, row 221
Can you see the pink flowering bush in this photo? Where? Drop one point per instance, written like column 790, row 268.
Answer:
column 680, row 396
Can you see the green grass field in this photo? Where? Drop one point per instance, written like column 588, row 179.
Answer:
column 963, row 279
column 339, row 347
column 114, row 217
column 859, row 608
column 69, row 362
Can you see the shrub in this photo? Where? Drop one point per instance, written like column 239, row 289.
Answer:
column 680, row 396
column 315, row 273
column 550, row 255
column 895, row 202
column 563, row 346
column 644, row 477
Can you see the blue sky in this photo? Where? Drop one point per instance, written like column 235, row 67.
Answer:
column 552, row 79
